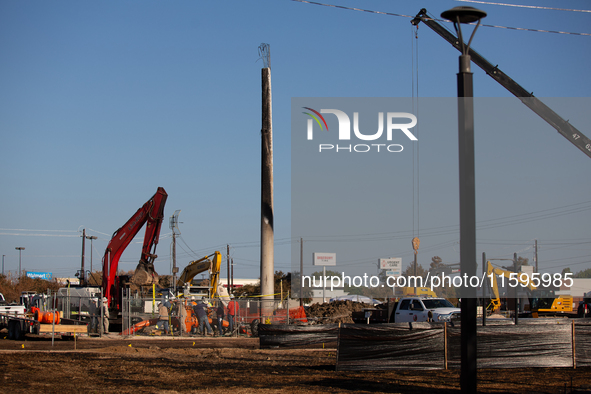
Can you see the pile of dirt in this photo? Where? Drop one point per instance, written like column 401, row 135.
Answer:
column 334, row 312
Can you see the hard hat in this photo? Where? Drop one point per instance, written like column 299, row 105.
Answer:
column 231, row 295
column 105, row 299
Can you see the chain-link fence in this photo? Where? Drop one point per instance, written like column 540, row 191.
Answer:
column 144, row 316
column 81, row 305
column 225, row 316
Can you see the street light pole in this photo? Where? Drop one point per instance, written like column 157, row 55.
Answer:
column 20, row 249
column 459, row 15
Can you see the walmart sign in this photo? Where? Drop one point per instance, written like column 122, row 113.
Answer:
column 39, row 275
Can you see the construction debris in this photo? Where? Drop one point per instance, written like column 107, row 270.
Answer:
column 334, row 312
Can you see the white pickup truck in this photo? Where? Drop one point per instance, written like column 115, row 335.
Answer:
column 410, row 310
column 10, row 309
column 417, row 309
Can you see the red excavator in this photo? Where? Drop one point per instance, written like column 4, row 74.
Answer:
column 152, row 213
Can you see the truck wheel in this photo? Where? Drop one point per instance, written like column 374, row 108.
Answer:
column 254, row 328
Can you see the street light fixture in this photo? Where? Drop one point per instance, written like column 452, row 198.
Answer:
column 459, row 15
column 20, row 249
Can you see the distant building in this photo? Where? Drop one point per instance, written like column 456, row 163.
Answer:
column 240, row 282
column 578, row 289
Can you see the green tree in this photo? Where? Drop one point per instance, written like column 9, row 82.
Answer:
column 410, row 270
column 583, row 274
column 436, row 263
column 282, row 283
column 566, row 271
column 12, row 288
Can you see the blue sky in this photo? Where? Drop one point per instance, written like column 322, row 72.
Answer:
column 101, row 103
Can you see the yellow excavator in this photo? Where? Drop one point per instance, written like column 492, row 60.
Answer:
column 542, row 301
column 211, row 263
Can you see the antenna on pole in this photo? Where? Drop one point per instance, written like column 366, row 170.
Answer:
column 174, row 222
column 265, row 54
column 174, row 226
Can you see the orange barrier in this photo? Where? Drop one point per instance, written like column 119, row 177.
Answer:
column 47, row 317
column 224, row 322
column 138, row 326
column 298, row 314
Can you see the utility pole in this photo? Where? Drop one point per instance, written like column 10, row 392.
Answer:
column 3, row 264
column 20, row 249
column 82, row 270
column 174, row 268
column 174, row 226
column 536, row 255
column 515, row 290
column 301, row 271
column 484, row 289
column 92, row 238
column 228, row 261
column 415, row 246
column 267, row 214
column 232, row 271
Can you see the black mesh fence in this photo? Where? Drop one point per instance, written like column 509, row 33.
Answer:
column 283, row 335
column 530, row 344
column 390, row 346
column 517, row 346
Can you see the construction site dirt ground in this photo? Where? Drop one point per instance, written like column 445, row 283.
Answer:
column 235, row 365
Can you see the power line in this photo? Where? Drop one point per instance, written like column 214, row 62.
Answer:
column 523, row 6
column 353, row 9
column 408, row 16
column 40, row 235
column 24, row 229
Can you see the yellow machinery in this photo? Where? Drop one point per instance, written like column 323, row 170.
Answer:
column 210, row 263
column 541, row 301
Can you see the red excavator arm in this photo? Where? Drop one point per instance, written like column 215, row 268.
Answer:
column 152, row 212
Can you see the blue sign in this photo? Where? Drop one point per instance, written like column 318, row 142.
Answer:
column 39, row 275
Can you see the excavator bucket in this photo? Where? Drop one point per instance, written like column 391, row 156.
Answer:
column 144, row 274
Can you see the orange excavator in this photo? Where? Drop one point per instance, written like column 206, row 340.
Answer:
column 151, row 214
